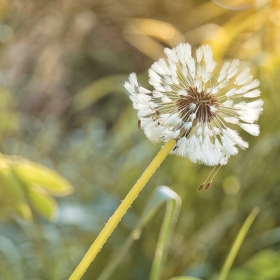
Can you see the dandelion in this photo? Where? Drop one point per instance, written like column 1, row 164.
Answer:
column 196, row 108
column 191, row 110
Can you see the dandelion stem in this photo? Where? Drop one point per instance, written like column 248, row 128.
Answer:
column 120, row 212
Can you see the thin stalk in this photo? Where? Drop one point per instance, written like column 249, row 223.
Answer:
column 237, row 243
column 119, row 213
column 170, row 219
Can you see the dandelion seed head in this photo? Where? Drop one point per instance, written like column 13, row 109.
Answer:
column 196, row 106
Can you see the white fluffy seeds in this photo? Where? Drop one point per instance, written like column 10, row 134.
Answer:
column 193, row 107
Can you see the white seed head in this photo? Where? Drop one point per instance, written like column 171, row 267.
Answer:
column 194, row 106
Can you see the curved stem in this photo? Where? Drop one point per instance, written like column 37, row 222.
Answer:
column 237, row 243
column 120, row 212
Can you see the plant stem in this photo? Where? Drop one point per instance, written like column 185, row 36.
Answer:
column 120, row 212
column 170, row 219
column 237, row 243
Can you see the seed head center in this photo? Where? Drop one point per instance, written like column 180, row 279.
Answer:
column 204, row 105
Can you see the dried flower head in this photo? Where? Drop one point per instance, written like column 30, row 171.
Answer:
column 194, row 107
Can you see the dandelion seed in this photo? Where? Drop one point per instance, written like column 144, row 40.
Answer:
column 207, row 186
column 210, row 182
column 192, row 106
column 200, row 187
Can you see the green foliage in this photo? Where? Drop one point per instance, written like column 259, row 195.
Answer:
column 42, row 201
column 30, row 173
column 263, row 265
column 97, row 90
column 25, row 184
column 62, row 106
column 160, row 196
column 12, row 193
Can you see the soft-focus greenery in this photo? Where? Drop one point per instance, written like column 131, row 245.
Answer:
column 63, row 106
column 161, row 195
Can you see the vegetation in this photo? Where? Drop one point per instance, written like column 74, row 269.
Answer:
column 71, row 149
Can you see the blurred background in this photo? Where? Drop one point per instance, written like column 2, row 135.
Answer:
column 62, row 67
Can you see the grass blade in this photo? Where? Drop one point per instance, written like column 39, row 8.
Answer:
column 161, row 195
column 93, row 92
column 237, row 243
column 170, row 219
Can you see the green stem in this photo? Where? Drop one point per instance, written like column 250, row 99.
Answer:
column 170, row 219
column 119, row 213
column 237, row 243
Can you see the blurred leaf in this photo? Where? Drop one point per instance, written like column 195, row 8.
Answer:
column 148, row 46
column 161, row 30
column 236, row 25
column 23, row 210
column 203, row 34
column 161, row 195
column 205, row 13
column 19, row 177
column 12, row 191
column 237, row 243
column 138, row 32
column 9, row 184
column 42, row 201
column 263, row 265
column 33, row 173
column 97, row 90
